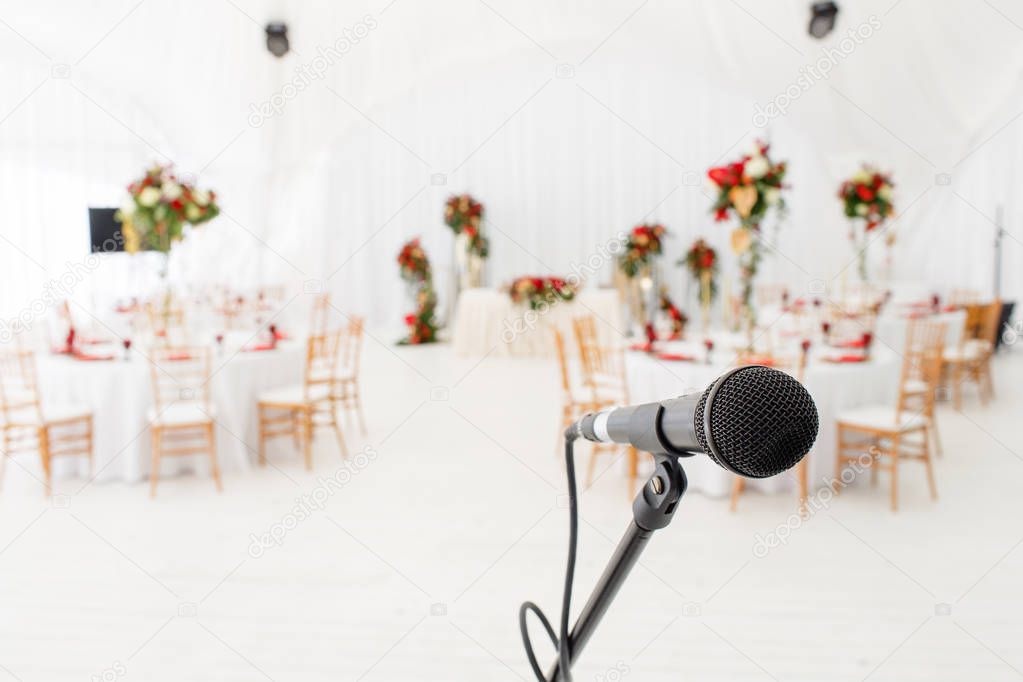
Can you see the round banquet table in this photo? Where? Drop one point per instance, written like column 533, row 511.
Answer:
column 120, row 392
column 487, row 321
column 834, row 387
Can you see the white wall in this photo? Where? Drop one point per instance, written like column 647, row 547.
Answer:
column 469, row 89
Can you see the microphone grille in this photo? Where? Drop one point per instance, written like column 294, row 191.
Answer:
column 762, row 422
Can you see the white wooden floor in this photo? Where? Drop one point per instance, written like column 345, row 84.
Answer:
column 415, row 566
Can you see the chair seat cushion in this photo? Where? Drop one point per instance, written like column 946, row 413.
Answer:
column 52, row 414
column 914, row 386
column 294, row 395
column 961, row 354
column 881, row 417
column 181, row 413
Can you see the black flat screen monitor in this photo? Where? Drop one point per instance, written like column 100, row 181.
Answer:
column 104, row 231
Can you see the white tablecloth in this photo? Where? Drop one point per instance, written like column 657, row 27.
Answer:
column 487, row 321
column 120, row 392
column 834, row 387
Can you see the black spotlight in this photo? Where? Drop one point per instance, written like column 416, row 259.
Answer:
column 277, row 39
column 822, row 18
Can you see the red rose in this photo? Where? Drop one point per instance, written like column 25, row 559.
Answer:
column 410, row 319
column 707, row 260
column 721, row 214
column 864, row 193
column 726, row 176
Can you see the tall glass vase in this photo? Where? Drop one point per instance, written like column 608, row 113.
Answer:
column 705, row 298
column 749, row 263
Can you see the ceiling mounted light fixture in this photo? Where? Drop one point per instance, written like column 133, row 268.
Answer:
column 822, row 18
column 277, row 38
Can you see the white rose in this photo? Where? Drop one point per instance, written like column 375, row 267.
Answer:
column 861, row 209
column 862, row 177
column 885, row 192
column 757, row 167
column 772, row 196
column 171, row 190
column 149, row 197
column 192, row 212
column 201, row 196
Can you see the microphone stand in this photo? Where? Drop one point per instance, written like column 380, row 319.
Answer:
column 652, row 510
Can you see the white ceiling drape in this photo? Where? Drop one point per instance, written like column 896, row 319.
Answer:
column 571, row 121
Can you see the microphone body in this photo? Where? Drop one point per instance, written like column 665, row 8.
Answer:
column 752, row 420
column 665, row 426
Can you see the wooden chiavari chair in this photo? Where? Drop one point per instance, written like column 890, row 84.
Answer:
column 298, row 410
column 890, row 435
column 181, row 420
column 971, row 359
column 602, row 370
column 739, row 482
column 29, row 426
column 346, row 393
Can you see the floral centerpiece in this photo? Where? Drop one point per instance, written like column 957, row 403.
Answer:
column 748, row 189
column 160, row 206
column 412, row 260
column 677, row 318
column 415, row 269
column 642, row 244
column 866, row 200
column 464, row 215
column 540, row 291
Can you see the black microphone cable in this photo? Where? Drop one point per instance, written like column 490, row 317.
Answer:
column 561, row 643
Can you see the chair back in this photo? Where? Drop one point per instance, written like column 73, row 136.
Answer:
column 599, row 365
column 19, row 393
column 559, row 351
column 972, row 323
column 166, row 317
column 593, row 357
column 350, row 348
column 921, row 367
column 963, row 297
column 769, row 294
column 987, row 327
column 180, row 375
column 319, row 317
column 321, row 362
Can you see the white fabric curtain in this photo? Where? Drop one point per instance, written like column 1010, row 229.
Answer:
column 428, row 99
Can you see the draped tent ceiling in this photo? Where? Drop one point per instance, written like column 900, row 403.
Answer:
column 570, row 120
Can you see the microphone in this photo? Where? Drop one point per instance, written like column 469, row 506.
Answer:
column 753, row 421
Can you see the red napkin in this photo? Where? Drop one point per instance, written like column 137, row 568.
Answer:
column 179, row 356
column 645, row 347
column 89, row 357
column 680, row 357
column 851, row 343
column 846, row 358
column 260, row 346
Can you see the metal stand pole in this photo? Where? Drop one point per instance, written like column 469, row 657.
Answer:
column 652, row 510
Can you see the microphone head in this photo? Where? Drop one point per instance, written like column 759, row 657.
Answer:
column 756, row 421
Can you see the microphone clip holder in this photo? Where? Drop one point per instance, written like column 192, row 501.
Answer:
column 652, row 510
